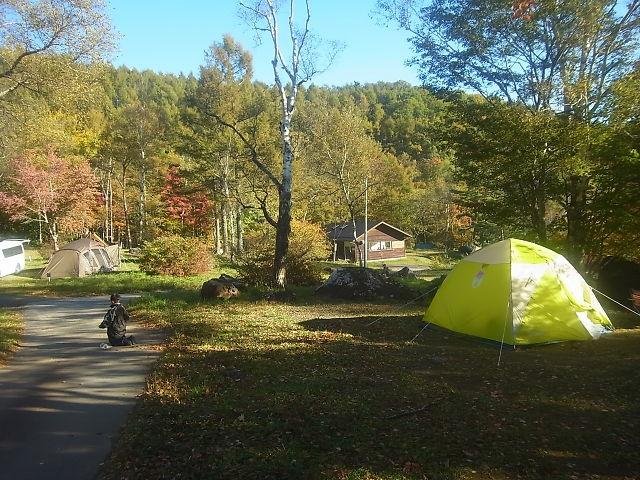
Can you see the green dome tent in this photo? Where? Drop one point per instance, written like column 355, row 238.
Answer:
column 518, row 293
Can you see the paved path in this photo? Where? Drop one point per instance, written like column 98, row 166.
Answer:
column 62, row 398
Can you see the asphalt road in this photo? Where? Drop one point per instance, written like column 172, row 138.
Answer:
column 62, row 398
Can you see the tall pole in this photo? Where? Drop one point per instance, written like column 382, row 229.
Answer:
column 366, row 221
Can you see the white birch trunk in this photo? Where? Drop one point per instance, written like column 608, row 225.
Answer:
column 239, row 231
column 143, row 199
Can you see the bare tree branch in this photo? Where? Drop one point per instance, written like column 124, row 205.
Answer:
column 255, row 158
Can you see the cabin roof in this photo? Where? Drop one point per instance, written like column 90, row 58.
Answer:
column 343, row 231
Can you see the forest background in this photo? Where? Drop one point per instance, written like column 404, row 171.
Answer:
column 526, row 126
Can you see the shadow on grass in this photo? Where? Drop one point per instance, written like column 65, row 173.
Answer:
column 340, row 398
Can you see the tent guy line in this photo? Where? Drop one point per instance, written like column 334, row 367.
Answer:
column 420, row 332
column 614, row 301
column 403, row 306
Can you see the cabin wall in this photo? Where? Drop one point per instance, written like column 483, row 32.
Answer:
column 386, row 254
column 382, row 245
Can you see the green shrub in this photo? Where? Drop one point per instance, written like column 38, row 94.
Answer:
column 308, row 246
column 175, row 255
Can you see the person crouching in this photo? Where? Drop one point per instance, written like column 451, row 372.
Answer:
column 115, row 321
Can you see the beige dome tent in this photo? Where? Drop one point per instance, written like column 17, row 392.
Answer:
column 79, row 258
column 112, row 250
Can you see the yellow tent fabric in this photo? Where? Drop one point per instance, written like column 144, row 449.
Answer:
column 518, row 293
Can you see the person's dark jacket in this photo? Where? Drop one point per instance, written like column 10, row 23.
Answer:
column 115, row 321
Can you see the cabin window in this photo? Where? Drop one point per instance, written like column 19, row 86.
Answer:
column 377, row 246
column 12, row 251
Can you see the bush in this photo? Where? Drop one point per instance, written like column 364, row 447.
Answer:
column 308, row 246
column 175, row 255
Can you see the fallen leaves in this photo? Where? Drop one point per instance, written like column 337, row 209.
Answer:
column 299, row 392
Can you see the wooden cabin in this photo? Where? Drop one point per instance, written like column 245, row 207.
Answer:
column 385, row 241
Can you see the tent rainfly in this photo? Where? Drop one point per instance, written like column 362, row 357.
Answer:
column 518, row 293
column 79, row 258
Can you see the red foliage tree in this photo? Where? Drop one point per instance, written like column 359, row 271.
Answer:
column 60, row 193
column 190, row 206
column 523, row 9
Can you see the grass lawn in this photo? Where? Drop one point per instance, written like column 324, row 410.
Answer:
column 260, row 390
column 429, row 259
column 128, row 279
column 426, row 264
column 10, row 330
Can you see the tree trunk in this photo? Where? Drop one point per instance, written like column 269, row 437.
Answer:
column 283, row 229
column 232, row 233
column 538, row 212
column 110, row 236
column 282, row 238
column 104, row 188
column 225, row 228
column 576, row 232
column 227, row 211
column 239, row 231
column 53, row 232
column 143, row 199
column 125, row 206
column 218, row 239
column 356, row 246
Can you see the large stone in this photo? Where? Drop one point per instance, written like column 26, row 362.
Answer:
column 215, row 288
column 405, row 272
column 239, row 284
column 360, row 283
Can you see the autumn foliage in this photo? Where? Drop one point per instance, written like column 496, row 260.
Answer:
column 175, row 255
column 60, row 192
column 523, row 9
column 308, row 246
column 189, row 206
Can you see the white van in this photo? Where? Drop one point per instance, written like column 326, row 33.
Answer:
column 11, row 256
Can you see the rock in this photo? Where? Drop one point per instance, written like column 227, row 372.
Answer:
column 405, row 272
column 360, row 283
column 281, row 296
column 239, row 284
column 465, row 250
column 215, row 288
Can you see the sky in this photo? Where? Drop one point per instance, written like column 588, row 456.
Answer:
column 171, row 36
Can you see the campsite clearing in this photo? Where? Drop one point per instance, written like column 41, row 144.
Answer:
column 128, row 279
column 260, row 390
